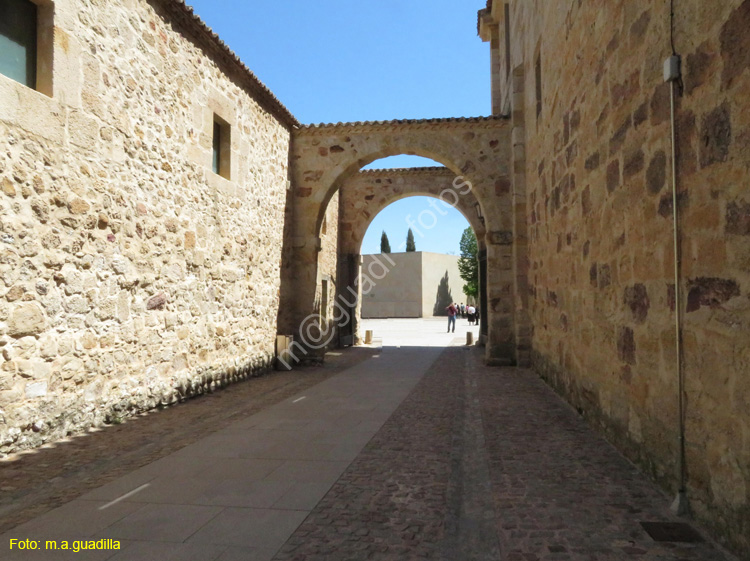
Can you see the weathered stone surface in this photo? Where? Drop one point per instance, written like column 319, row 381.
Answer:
column 157, row 302
column 716, row 132
column 633, row 163
column 592, row 162
column 710, row 292
column 699, row 65
column 735, row 44
column 27, row 318
column 613, row 175
column 738, row 218
column 636, row 298
column 656, row 175
column 78, row 206
column 99, row 207
column 626, row 345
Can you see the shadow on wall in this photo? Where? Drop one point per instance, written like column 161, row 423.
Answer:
column 444, row 297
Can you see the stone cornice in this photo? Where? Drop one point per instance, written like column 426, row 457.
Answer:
column 389, row 172
column 181, row 14
column 413, row 124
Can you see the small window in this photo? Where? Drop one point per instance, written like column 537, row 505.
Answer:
column 222, row 147
column 324, row 227
column 538, row 80
column 18, row 30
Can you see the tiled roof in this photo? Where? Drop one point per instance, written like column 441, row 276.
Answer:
column 181, row 13
column 416, row 123
column 426, row 170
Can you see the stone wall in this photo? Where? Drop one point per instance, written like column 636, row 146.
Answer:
column 595, row 115
column 130, row 274
column 328, row 263
column 416, row 284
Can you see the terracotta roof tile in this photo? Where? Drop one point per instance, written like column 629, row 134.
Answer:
column 399, row 122
column 427, row 170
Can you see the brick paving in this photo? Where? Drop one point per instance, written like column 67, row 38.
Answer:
column 484, row 463
column 35, row 482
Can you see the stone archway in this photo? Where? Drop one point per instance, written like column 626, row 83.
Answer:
column 366, row 193
column 477, row 152
column 363, row 195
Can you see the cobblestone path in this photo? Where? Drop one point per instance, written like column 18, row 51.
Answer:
column 483, row 463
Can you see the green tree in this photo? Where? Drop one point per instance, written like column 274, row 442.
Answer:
column 468, row 265
column 385, row 247
column 410, row 245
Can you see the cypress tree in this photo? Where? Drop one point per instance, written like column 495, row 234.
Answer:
column 385, row 247
column 410, row 246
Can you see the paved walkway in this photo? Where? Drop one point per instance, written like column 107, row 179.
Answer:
column 423, row 332
column 414, row 453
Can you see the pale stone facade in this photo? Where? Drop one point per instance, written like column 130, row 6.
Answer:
column 415, row 284
column 583, row 84
column 131, row 274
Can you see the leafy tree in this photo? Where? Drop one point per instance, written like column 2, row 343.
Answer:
column 385, row 247
column 410, row 245
column 468, row 265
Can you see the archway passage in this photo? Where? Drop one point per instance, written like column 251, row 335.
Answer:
column 364, row 195
column 475, row 150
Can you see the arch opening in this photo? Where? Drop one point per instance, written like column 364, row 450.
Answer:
column 463, row 184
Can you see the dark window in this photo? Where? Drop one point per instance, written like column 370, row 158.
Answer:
column 18, row 41
column 216, row 162
column 222, row 148
column 538, row 80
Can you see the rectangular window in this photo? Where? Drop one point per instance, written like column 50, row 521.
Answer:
column 18, row 41
column 538, row 82
column 222, row 148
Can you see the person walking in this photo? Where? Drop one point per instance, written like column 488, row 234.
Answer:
column 451, row 317
column 470, row 311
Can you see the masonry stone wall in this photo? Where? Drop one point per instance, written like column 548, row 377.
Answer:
column 596, row 146
column 328, row 266
column 131, row 275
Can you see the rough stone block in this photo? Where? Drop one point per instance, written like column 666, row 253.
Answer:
column 716, row 130
column 738, row 218
column 27, row 318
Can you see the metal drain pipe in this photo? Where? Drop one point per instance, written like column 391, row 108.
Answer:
column 673, row 75
column 680, row 505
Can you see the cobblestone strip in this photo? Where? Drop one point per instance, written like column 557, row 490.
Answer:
column 391, row 503
column 471, row 533
column 562, row 492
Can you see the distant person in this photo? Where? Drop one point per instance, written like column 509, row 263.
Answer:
column 470, row 311
column 463, row 310
column 476, row 315
column 452, row 311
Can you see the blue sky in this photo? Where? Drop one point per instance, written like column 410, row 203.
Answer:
column 336, row 60
column 433, row 231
